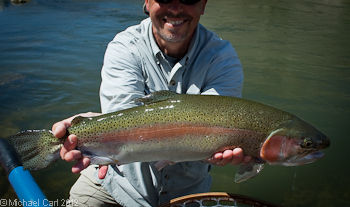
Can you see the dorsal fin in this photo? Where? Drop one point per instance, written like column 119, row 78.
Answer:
column 156, row 97
column 78, row 120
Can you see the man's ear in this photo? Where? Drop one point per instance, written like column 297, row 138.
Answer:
column 147, row 4
column 146, row 7
column 203, row 6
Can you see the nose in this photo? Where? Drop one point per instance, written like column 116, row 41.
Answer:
column 175, row 6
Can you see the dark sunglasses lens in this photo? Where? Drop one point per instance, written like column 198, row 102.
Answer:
column 163, row 1
column 188, row 2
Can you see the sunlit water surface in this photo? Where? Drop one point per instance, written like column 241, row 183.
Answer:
column 295, row 56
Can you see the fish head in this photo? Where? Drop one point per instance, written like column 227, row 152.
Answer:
column 294, row 143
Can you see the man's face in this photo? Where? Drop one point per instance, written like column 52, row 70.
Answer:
column 174, row 22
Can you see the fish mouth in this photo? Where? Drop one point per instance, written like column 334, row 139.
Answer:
column 301, row 159
column 309, row 158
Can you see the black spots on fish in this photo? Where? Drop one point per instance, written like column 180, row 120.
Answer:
column 252, row 141
column 186, row 141
column 37, row 148
column 87, row 132
column 189, row 118
column 254, row 116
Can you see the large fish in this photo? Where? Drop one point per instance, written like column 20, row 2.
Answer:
column 172, row 127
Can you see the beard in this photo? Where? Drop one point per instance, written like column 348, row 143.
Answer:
column 174, row 35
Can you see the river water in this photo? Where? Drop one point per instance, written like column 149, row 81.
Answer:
column 295, row 56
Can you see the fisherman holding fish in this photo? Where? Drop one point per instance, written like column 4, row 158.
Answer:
column 155, row 147
column 170, row 50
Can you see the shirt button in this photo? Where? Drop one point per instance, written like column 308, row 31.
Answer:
column 172, row 82
column 164, row 193
column 167, row 177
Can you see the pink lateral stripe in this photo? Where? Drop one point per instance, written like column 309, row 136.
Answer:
column 161, row 131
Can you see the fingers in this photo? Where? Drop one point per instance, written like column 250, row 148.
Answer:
column 60, row 128
column 247, row 159
column 237, row 157
column 69, row 154
column 81, row 165
column 67, row 151
column 234, row 157
column 102, row 171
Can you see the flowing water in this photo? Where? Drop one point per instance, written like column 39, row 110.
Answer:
column 295, row 56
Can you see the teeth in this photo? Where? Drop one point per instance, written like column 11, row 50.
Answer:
column 176, row 22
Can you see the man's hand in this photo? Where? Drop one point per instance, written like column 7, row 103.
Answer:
column 68, row 151
column 234, row 157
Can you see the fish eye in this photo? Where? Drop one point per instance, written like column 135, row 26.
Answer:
column 307, row 143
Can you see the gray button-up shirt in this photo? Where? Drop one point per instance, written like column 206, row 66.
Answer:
column 134, row 66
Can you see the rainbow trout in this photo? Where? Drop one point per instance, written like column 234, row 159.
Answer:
column 171, row 127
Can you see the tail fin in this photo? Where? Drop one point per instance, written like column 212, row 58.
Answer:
column 37, row 148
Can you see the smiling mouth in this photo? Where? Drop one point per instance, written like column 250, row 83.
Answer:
column 174, row 23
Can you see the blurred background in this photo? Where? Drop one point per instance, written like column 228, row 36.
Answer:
column 295, row 56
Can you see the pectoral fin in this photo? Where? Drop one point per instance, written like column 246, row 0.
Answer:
column 249, row 170
column 101, row 160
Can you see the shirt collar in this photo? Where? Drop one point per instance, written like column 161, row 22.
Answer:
column 193, row 45
column 154, row 45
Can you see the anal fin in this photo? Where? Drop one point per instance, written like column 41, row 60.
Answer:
column 161, row 164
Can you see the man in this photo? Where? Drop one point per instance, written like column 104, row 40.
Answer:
column 168, row 51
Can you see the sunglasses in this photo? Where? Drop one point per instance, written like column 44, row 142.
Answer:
column 187, row 2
